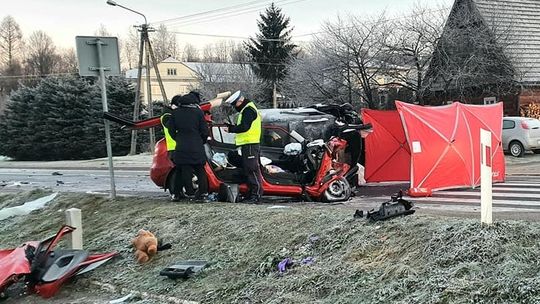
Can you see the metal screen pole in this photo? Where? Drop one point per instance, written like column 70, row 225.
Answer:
column 106, row 109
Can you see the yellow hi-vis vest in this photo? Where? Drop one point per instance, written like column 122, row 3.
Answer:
column 171, row 143
column 253, row 135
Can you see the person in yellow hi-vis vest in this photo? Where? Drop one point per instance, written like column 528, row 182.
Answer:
column 248, row 137
column 169, row 141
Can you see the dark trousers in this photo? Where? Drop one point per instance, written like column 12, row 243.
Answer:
column 187, row 172
column 252, row 169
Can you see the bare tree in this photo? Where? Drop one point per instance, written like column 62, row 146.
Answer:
column 352, row 54
column 102, row 31
column 67, row 61
column 130, row 49
column 41, row 57
column 191, row 54
column 11, row 46
column 164, row 43
column 220, row 77
column 217, row 52
column 412, row 45
column 10, row 41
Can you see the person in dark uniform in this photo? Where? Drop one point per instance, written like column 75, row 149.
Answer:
column 248, row 137
column 189, row 129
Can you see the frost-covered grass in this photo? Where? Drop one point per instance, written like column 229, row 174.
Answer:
column 415, row 259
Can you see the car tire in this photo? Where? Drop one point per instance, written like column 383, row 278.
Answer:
column 338, row 191
column 516, row 149
column 536, row 151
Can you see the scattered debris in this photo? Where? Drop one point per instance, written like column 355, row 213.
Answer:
column 308, row 261
column 122, row 299
column 283, row 265
column 26, row 207
column 44, row 267
column 396, row 206
column 279, row 207
column 183, row 269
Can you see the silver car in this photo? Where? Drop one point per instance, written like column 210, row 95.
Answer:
column 521, row 134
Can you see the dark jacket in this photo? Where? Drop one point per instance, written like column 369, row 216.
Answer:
column 188, row 127
column 248, row 117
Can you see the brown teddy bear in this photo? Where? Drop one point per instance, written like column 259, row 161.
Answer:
column 146, row 246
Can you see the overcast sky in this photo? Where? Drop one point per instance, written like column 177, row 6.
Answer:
column 65, row 19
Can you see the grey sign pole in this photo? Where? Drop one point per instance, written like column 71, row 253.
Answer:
column 107, row 63
column 102, row 79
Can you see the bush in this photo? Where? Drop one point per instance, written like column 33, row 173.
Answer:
column 61, row 119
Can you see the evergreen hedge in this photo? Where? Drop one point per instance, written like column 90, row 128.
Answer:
column 61, row 119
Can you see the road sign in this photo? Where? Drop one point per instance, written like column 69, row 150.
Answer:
column 88, row 56
column 98, row 56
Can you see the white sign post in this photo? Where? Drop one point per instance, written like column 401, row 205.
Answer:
column 486, row 195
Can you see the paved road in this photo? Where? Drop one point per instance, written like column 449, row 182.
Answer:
column 517, row 198
column 128, row 182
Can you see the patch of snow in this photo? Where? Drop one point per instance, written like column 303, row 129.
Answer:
column 26, row 207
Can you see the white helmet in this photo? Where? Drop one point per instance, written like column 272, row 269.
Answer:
column 234, row 97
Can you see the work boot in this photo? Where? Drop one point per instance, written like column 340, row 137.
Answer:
column 252, row 200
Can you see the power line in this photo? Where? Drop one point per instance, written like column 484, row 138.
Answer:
column 228, row 36
column 209, row 12
column 231, row 14
column 307, row 34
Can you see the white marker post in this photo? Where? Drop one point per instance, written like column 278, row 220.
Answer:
column 486, row 195
column 74, row 219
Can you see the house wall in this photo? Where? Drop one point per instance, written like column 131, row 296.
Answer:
column 176, row 77
column 529, row 95
column 510, row 102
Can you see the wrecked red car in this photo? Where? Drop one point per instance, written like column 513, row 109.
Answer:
column 309, row 153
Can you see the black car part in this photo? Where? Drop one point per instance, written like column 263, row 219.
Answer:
column 396, row 206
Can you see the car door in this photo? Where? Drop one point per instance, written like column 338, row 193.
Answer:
column 273, row 141
column 221, row 140
column 509, row 128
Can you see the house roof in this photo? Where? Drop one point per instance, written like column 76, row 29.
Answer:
column 171, row 59
column 518, row 21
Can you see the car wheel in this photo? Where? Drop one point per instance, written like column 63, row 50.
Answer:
column 516, row 149
column 338, row 191
column 536, row 151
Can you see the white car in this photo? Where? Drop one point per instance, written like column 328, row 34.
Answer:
column 521, row 134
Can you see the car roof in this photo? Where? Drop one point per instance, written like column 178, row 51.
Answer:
column 517, row 118
column 294, row 114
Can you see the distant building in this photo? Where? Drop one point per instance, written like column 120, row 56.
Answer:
column 181, row 77
column 489, row 52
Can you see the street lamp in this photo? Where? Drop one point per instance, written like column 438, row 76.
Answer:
column 144, row 43
column 113, row 3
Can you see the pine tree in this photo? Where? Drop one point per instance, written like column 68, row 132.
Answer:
column 272, row 51
column 62, row 118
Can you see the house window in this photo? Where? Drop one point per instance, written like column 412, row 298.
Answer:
column 171, row 72
column 490, row 100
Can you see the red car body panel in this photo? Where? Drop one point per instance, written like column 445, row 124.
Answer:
column 15, row 264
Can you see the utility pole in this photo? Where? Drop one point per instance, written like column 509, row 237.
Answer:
column 150, row 60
